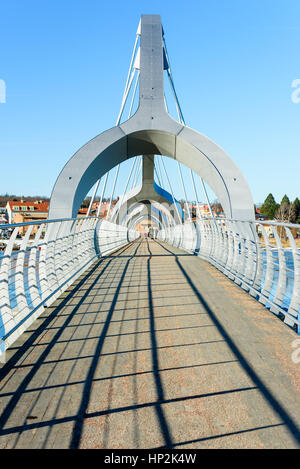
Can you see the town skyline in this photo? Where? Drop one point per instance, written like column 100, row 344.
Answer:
column 9, row 196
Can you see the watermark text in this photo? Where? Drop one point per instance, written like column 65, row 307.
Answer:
column 2, row 91
column 296, row 352
column 295, row 96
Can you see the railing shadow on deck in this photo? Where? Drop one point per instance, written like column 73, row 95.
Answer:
column 82, row 414
column 34, row 335
column 273, row 402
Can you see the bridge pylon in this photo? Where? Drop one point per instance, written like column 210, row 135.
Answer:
column 146, row 193
column 151, row 131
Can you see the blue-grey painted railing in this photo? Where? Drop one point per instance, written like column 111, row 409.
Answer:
column 41, row 262
column 262, row 257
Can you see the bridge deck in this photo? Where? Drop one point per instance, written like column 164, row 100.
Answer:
column 152, row 347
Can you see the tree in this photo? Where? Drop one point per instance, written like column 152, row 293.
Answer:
column 217, row 207
column 283, row 212
column 269, row 207
column 295, row 211
column 285, row 200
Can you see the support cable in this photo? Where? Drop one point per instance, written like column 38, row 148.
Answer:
column 128, row 81
column 157, row 175
column 102, row 193
column 179, row 112
column 113, row 190
column 206, row 197
column 125, row 97
column 128, row 84
column 181, row 119
column 135, row 171
column 134, row 93
column 160, row 172
column 195, row 193
column 184, row 191
column 166, row 174
column 170, row 75
column 93, row 197
column 124, row 192
column 138, row 173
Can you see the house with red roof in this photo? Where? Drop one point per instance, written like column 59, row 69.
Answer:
column 26, row 211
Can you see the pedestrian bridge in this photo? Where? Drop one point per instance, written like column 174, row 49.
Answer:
column 185, row 339
column 151, row 347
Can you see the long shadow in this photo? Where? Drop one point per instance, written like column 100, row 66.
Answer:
column 118, row 320
column 34, row 336
column 159, row 255
column 157, row 405
column 116, row 410
column 226, row 435
column 118, row 376
column 273, row 402
column 155, row 363
column 121, row 352
column 86, row 394
column 69, row 341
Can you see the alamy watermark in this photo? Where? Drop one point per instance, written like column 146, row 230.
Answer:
column 296, row 352
column 295, row 96
column 2, row 91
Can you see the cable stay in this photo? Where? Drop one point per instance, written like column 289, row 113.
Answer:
column 174, row 201
column 113, row 191
column 133, row 70
column 93, row 197
column 132, row 81
column 102, row 193
column 126, row 186
column 195, row 194
column 182, row 121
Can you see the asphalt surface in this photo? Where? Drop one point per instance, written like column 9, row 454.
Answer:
column 152, row 347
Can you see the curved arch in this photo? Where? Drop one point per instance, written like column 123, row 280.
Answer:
column 151, row 131
column 137, row 196
column 136, row 220
column 139, row 207
column 110, row 148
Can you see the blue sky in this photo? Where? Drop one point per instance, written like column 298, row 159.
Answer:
column 65, row 64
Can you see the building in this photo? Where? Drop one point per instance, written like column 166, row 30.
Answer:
column 22, row 212
column 3, row 214
column 82, row 212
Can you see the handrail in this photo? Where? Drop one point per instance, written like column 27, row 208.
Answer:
column 266, row 222
column 243, row 251
column 40, row 222
column 48, row 260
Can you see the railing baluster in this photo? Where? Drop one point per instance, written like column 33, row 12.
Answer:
column 235, row 248
column 38, row 273
column 281, row 281
column 22, row 306
column 32, row 268
column 7, row 319
column 269, row 275
column 294, row 307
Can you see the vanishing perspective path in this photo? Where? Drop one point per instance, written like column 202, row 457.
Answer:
column 151, row 347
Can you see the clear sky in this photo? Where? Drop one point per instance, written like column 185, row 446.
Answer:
column 65, row 63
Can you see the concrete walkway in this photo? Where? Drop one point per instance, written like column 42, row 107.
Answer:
column 152, row 347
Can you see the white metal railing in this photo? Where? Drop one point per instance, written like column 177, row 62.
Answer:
column 38, row 261
column 263, row 257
